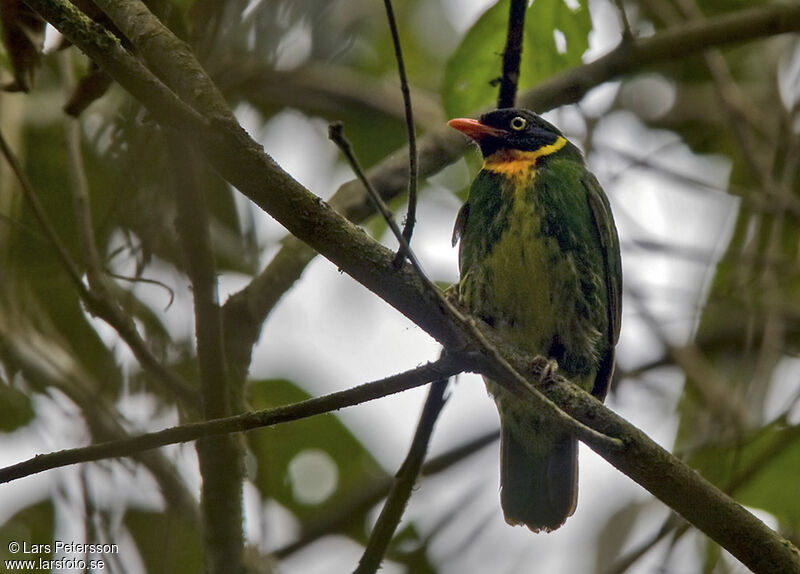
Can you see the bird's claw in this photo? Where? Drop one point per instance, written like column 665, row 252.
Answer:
column 543, row 368
column 451, row 294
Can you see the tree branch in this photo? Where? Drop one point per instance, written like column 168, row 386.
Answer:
column 444, row 367
column 403, row 482
column 80, row 185
column 413, row 168
column 220, row 457
column 171, row 58
column 324, row 88
column 512, row 54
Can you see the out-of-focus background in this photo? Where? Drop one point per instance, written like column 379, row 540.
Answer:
column 699, row 156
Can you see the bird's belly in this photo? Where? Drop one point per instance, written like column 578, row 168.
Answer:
column 530, row 291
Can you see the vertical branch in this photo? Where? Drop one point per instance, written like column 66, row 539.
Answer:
column 404, row 482
column 220, row 457
column 413, row 169
column 79, row 185
column 512, row 54
column 627, row 34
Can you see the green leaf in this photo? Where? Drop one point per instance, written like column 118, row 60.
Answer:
column 410, row 549
column 476, row 64
column 309, row 466
column 471, row 74
column 541, row 57
column 32, row 525
column 763, row 467
column 167, row 543
column 15, row 408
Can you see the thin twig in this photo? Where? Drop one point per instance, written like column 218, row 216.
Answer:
column 512, row 55
column 80, row 185
column 336, row 135
column 627, row 34
column 446, row 366
column 145, row 281
column 403, row 483
column 413, row 169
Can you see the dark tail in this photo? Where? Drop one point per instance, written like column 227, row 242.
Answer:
column 539, row 489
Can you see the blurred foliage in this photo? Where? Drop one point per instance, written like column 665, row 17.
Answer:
column 760, row 469
column 32, row 525
column 472, row 74
column 342, row 464
column 335, row 60
column 167, row 542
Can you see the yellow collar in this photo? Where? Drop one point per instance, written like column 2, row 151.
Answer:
column 517, row 163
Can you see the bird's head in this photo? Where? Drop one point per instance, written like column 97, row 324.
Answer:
column 510, row 129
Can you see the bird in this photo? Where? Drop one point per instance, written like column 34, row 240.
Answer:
column 539, row 262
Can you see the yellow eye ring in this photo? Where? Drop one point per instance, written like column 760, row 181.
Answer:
column 518, row 123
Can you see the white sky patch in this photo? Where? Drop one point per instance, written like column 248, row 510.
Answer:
column 560, row 40
column 649, row 95
column 314, row 476
column 789, row 76
column 294, row 47
column 52, row 38
column 462, row 14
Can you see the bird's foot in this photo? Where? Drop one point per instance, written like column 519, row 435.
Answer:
column 543, row 368
column 451, row 294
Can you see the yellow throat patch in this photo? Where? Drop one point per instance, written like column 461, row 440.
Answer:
column 518, row 164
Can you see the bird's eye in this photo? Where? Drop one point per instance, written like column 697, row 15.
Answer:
column 518, row 123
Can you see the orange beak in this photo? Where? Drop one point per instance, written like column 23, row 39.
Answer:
column 475, row 129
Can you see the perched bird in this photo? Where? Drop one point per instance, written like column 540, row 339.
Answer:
column 539, row 261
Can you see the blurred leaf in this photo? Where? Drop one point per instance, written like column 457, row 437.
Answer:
column 766, row 465
column 31, row 525
column 16, row 409
column 283, row 452
column 471, row 74
column 614, row 535
column 91, row 87
column 131, row 174
column 542, row 56
column 167, row 543
column 23, row 39
column 474, row 67
column 716, row 7
column 409, row 549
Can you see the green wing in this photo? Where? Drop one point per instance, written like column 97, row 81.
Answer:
column 601, row 210
column 604, row 221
